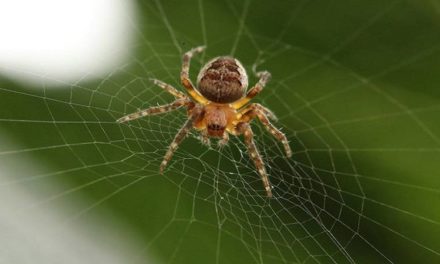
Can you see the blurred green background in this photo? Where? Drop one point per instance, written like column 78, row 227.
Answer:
column 356, row 89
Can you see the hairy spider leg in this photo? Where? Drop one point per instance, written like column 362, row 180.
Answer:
column 204, row 137
column 155, row 110
column 184, row 75
column 261, row 107
column 195, row 114
column 267, row 112
column 245, row 129
column 167, row 87
column 257, row 110
column 225, row 139
column 264, row 78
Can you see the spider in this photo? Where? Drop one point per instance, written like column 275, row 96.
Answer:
column 218, row 107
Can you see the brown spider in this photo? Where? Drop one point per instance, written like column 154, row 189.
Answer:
column 216, row 107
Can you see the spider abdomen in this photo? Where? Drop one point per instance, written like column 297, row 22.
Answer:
column 222, row 80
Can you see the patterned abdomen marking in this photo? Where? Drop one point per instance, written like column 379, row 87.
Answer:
column 222, row 80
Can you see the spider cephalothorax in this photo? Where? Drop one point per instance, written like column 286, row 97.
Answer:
column 218, row 107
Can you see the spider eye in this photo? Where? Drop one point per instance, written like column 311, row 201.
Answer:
column 216, row 130
column 215, row 127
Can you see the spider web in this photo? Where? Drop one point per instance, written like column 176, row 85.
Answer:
column 360, row 187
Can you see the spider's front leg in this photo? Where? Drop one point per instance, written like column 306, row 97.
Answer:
column 245, row 129
column 257, row 110
column 196, row 113
column 224, row 141
column 155, row 110
column 184, row 75
column 204, row 138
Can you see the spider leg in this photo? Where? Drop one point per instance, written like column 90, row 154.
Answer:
column 264, row 78
column 224, row 140
column 195, row 114
column 184, row 75
column 154, row 110
column 261, row 108
column 259, row 111
column 168, row 88
column 205, row 138
column 245, row 129
column 267, row 112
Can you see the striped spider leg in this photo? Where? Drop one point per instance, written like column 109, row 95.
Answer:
column 182, row 100
column 154, row 110
column 256, row 110
column 246, row 115
column 195, row 114
column 245, row 129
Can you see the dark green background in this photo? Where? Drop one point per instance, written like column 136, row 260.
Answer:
column 356, row 87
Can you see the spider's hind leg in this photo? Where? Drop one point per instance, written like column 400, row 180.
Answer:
column 184, row 75
column 254, row 91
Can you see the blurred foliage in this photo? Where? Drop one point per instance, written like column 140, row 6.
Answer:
column 355, row 83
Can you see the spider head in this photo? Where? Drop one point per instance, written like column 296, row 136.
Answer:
column 216, row 121
column 216, row 130
column 222, row 80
